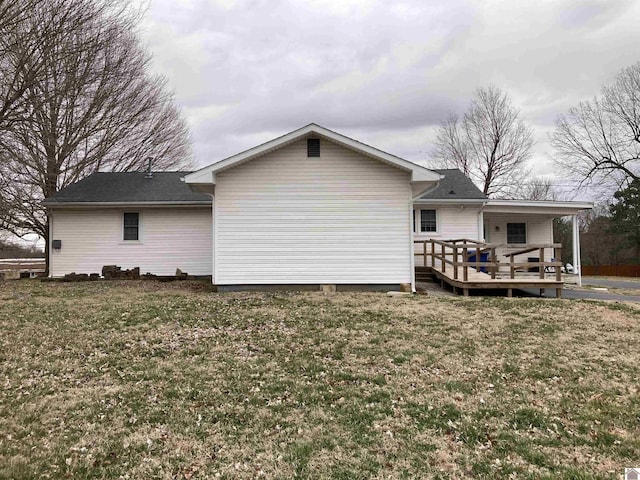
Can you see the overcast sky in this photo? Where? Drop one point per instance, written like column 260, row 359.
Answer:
column 384, row 72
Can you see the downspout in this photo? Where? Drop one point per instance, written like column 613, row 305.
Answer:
column 411, row 244
column 50, row 242
column 213, row 239
column 481, row 223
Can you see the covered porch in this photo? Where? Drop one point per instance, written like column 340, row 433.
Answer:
column 515, row 225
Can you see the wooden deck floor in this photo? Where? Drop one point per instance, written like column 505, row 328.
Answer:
column 481, row 280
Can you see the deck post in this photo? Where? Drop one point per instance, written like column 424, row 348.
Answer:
column 494, row 267
column 424, row 251
column 509, row 292
column 465, row 268
column 513, row 269
column 541, row 267
column 558, row 292
column 558, row 255
column 443, row 259
column 455, row 262
column 433, row 254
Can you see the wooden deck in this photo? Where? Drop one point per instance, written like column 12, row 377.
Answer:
column 449, row 262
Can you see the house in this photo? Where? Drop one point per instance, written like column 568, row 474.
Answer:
column 312, row 207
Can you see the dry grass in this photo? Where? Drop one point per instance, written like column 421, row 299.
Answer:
column 145, row 380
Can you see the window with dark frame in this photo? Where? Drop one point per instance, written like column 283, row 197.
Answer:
column 313, row 147
column 516, row 233
column 131, row 229
column 428, row 221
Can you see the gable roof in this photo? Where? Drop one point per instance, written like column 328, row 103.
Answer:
column 206, row 175
column 454, row 186
column 129, row 188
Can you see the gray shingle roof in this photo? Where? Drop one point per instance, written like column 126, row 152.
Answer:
column 129, row 187
column 133, row 187
column 454, row 186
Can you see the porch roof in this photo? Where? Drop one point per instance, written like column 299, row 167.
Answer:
column 547, row 207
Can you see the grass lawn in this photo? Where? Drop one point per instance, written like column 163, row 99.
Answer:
column 148, row 380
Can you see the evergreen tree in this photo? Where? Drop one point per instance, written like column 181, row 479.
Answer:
column 625, row 216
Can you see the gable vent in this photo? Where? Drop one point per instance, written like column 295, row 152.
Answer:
column 313, row 147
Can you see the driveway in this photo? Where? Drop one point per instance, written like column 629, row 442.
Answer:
column 582, row 294
column 606, row 282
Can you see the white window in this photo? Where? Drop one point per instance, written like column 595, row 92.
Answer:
column 427, row 221
column 131, row 226
column 516, row 233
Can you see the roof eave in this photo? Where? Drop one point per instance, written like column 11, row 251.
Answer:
column 541, row 203
column 452, row 200
column 51, row 204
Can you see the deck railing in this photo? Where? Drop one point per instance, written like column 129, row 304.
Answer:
column 456, row 254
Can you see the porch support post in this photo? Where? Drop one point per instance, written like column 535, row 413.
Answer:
column 214, row 247
column 577, row 269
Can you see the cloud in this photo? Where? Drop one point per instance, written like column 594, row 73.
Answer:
column 383, row 72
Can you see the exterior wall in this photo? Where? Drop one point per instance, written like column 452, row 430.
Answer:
column 452, row 222
column 170, row 238
column 539, row 231
column 284, row 218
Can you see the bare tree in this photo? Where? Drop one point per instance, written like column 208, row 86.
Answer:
column 599, row 140
column 490, row 143
column 91, row 106
column 537, row 188
column 20, row 60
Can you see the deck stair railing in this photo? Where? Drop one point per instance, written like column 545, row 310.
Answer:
column 454, row 256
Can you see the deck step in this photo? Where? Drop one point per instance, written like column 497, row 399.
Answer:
column 424, row 274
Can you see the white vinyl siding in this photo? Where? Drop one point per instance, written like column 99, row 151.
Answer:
column 453, row 222
column 284, row 218
column 456, row 223
column 169, row 238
